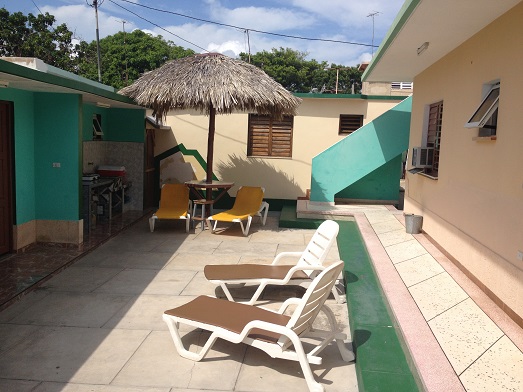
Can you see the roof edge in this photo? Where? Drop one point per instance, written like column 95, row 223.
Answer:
column 352, row 96
column 58, row 80
column 403, row 16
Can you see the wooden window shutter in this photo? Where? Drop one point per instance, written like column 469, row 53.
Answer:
column 269, row 137
column 349, row 123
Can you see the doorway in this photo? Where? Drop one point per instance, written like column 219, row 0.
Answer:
column 149, row 181
column 6, row 178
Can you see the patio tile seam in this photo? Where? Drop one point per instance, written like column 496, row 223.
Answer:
column 482, row 354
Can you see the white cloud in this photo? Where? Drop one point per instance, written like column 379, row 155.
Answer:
column 260, row 18
column 81, row 20
column 334, row 19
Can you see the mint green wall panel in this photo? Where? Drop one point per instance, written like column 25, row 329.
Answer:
column 24, row 153
column 126, row 125
column 119, row 125
column 380, row 184
column 87, row 120
column 57, row 140
column 360, row 153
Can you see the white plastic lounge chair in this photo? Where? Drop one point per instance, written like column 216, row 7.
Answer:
column 271, row 331
column 174, row 204
column 248, row 203
column 309, row 264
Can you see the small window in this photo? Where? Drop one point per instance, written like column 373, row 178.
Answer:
column 349, row 123
column 270, row 137
column 486, row 115
column 97, row 127
column 401, row 85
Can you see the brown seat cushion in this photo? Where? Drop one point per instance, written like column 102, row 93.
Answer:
column 231, row 316
column 250, row 271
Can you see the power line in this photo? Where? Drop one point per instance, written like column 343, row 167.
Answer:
column 154, row 24
column 241, row 28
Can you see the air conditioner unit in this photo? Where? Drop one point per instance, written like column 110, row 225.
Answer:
column 422, row 156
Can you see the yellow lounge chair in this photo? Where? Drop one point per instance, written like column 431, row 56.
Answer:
column 278, row 334
column 249, row 202
column 174, row 204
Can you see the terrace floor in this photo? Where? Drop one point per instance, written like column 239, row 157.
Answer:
column 96, row 325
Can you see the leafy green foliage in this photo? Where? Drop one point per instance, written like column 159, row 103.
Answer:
column 126, row 56
column 34, row 36
column 291, row 69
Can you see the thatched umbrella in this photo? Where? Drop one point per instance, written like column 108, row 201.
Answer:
column 212, row 83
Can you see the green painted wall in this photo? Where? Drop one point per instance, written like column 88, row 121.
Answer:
column 57, row 140
column 119, row 125
column 126, row 125
column 24, row 153
column 361, row 153
column 382, row 183
column 87, row 120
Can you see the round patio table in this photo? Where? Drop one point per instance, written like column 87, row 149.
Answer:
column 206, row 201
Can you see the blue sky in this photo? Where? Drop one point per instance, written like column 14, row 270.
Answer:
column 338, row 20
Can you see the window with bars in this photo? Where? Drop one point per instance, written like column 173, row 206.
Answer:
column 434, row 136
column 401, row 85
column 349, row 123
column 270, row 137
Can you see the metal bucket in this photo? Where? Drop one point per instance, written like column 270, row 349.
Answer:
column 413, row 223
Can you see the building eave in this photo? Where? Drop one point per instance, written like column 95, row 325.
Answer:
column 444, row 24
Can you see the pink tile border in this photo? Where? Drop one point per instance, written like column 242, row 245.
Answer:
column 434, row 369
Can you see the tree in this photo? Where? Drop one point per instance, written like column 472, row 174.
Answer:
column 35, row 36
column 126, row 56
column 291, row 69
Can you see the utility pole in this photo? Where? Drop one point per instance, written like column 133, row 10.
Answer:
column 337, row 75
column 248, row 44
column 95, row 4
column 125, row 53
column 372, row 15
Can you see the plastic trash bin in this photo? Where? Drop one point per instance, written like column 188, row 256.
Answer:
column 413, row 223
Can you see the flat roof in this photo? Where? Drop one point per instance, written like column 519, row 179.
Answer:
column 32, row 74
column 441, row 26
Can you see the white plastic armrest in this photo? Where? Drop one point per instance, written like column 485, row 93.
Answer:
column 285, row 254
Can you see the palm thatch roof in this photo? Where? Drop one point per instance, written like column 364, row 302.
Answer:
column 212, row 80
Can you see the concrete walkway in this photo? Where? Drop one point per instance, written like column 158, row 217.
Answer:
column 459, row 340
column 97, row 325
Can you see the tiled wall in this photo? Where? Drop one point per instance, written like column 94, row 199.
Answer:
column 128, row 154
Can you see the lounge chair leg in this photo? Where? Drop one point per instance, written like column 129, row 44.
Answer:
column 346, row 354
column 151, row 223
column 196, row 356
column 313, row 385
column 247, row 226
column 257, row 294
column 227, row 292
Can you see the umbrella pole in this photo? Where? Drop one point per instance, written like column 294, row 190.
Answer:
column 210, row 153
column 210, row 143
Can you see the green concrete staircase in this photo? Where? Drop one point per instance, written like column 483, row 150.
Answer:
column 365, row 165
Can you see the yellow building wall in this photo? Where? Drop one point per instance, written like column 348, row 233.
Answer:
column 474, row 210
column 315, row 129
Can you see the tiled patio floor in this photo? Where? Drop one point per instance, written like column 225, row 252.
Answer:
column 97, row 325
column 458, row 338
